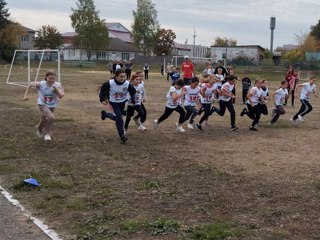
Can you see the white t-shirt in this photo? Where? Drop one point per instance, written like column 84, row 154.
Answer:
column 46, row 96
column 138, row 95
column 280, row 96
column 257, row 92
column 207, row 99
column 228, row 87
column 118, row 93
column 171, row 103
column 306, row 90
column 191, row 96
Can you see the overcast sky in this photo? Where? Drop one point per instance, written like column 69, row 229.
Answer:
column 247, row 21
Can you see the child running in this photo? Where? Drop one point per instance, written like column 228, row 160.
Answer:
column 226, row 101
column 144, row 99
column 307, row 89
column 206, row 97
column 48, row 93
column 265, row 97
column 190, row 99
column 279, row 97
column 115, row 92
column 174, row 101
column 253, row 104
column 136, row 83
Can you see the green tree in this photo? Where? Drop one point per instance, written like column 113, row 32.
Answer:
column 267, row 54
column 145, row 25
column 9, row 39
column 315, row 31
column 165, row 41
column 47, row 37
column 92, row 33
column 222, row 42
column 4, row 14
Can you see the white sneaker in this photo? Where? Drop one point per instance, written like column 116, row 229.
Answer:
column 294, row 122
column 137, row 121
column 190, row 126
column 155, row 124
column 300, row 118
column 180, row 128
column 47, row 137
column 125, row 132
column 142, row 128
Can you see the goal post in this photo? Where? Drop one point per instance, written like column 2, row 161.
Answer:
column 27, row 65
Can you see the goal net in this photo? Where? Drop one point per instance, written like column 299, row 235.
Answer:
column 31, row 65
column 199, row 62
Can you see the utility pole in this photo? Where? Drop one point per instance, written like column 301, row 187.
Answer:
column 272, row 27
column 194, row 42
column 226, row 57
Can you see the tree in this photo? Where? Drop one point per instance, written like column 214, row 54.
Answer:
column 4, row 14
column 47, row 37
column 145, row 25
column 9, row 39
column 92, row 33
column 165, row 41
column 222, row 42
column 315, row 31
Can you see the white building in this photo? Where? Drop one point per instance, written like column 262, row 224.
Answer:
column 254, row 52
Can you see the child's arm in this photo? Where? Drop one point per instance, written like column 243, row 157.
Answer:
column 296, row 89
column 31, row 85
column 59, row 91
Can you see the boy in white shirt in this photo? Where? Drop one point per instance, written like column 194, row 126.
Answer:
column 279, row 98
column 307, row 89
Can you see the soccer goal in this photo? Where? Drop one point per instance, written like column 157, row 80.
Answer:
column 199, row 62
column 29, row 65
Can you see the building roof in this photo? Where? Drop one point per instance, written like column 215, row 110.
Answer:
column 115, row 44
column 126, row 37
column 29, row 30
column 242, row 46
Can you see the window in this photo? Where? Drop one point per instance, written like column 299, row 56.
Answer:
column 25, row 38
column 102, row 55
column 125, row 56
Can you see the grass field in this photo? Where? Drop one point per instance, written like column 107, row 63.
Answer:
column 214, row 184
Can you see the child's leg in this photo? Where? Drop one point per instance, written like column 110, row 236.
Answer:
column 279, row 111
column 130, row 112
column 308, row 108
column 144, row 116
column 166, row 114
column 232, row 112
column 193, row 115
column 118, row 108
column 207, row 112
column 182, row 114
column 189, row 110
column 301, row 110
column 47, row 119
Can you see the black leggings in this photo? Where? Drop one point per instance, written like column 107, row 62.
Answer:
column 130, row 113
column 169, row 111
column 206, row 108
column 304, row 109
column 229, row 105
column 254, row 113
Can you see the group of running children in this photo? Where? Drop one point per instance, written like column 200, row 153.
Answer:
column 123, row 97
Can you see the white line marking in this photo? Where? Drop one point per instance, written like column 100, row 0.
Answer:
column 49, row 232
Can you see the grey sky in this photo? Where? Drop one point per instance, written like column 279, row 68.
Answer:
column 247, row 21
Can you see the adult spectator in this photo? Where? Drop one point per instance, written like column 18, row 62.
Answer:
column 128, row 68
column 187, row 70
